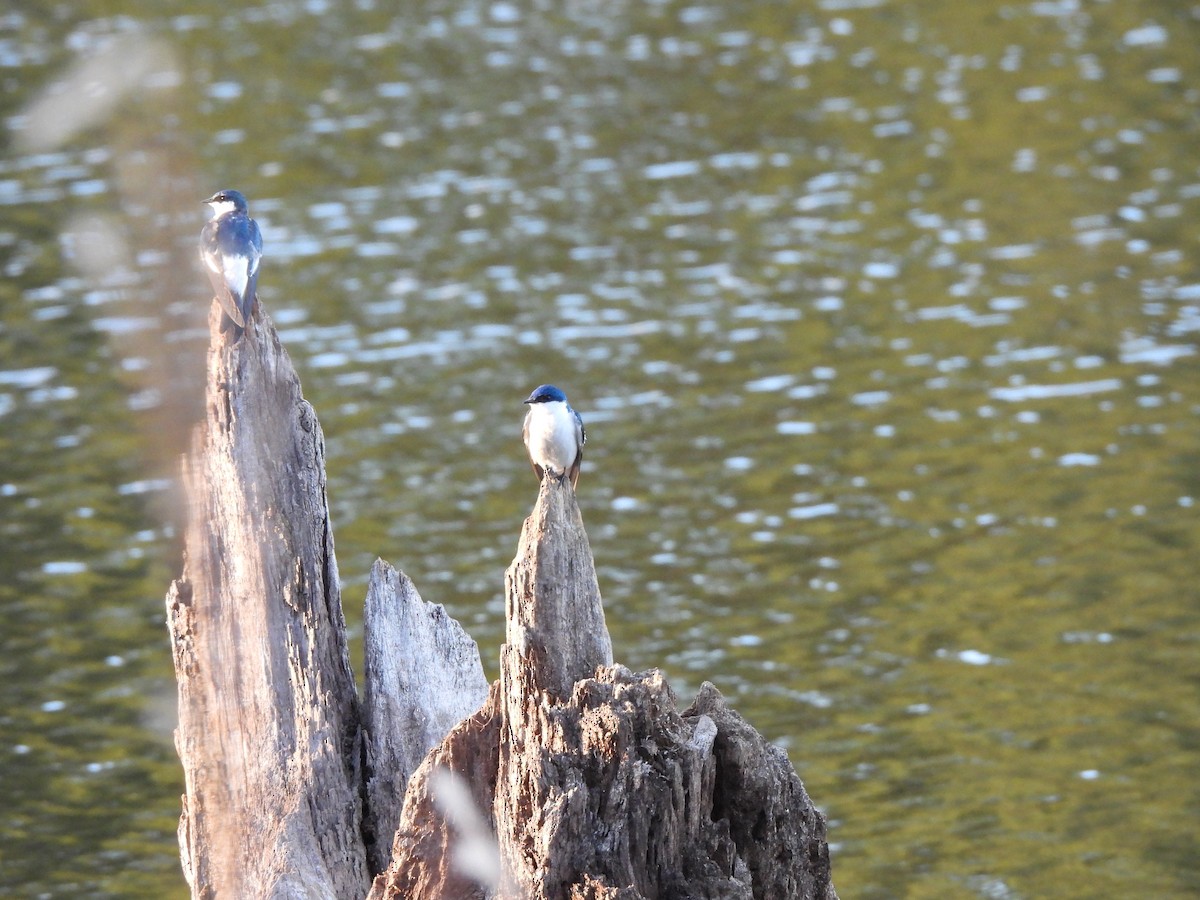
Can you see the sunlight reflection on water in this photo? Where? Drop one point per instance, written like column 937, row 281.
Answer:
column 883, row 332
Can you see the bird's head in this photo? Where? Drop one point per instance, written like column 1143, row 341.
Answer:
column 546, row 393
column 226, row 201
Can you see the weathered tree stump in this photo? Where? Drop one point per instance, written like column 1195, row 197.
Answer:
column 570, row 778
column 594, row 784
column 270, row 730
column 268, row 712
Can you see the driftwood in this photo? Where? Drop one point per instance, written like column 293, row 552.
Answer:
column 570, row 777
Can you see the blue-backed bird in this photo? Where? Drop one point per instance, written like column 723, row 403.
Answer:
column 553, row 434
column 230, row 248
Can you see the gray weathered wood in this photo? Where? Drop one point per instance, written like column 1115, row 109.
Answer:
column 422, row 676
column 575, row 779
column 436, row 854
column 778, row 832
column 592, row 781
column 554, row 619
column 268, row 730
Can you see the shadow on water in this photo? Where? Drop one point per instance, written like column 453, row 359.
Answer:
column 881, row 317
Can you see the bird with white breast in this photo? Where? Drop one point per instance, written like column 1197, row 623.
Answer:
column 231, row 248
column 553, row 435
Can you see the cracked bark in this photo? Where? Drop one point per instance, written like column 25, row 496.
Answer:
column 292, row 788
column 269, row 731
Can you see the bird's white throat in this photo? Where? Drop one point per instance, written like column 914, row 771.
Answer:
column 220, row 207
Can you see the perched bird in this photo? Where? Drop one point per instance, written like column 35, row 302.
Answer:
column 553, row 434
column 230, row 248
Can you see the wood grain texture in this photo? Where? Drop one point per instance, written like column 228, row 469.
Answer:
column 269, row 731
column 422, row 676
column 444, row 847
column 591, row 780
column 554, row 617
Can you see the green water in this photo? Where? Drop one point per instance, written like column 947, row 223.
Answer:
column 882, row 318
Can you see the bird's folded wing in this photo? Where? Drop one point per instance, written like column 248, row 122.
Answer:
column 216, row 266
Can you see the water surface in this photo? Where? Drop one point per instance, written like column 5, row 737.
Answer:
column 882, row 318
